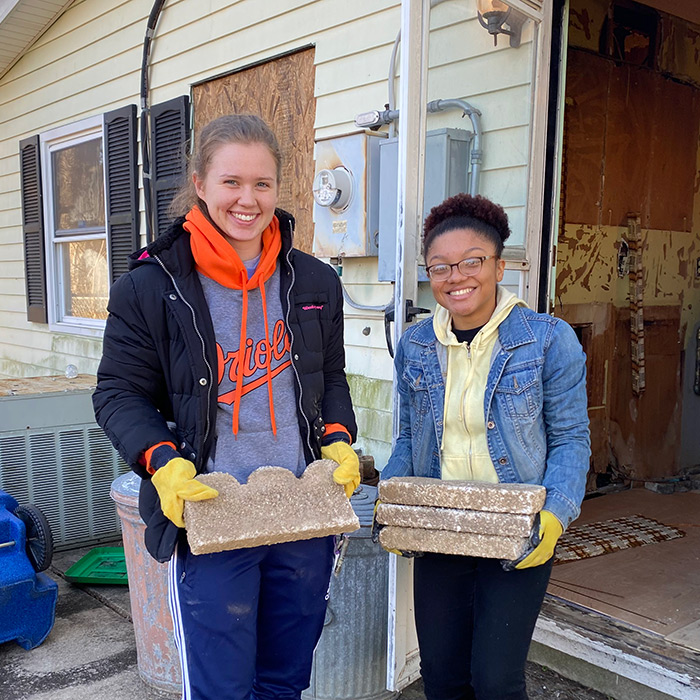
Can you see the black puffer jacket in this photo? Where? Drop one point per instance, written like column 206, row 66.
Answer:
column 157, row 378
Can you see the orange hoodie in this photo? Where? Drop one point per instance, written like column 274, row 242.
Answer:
column 215, row 258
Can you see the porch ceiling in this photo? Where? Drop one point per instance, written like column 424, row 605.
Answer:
column 22, row 22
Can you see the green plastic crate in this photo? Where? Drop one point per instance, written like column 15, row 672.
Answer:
column 102, row 565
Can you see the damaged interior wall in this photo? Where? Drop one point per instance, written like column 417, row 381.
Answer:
column 631, row 137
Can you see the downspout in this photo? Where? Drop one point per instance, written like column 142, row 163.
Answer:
column 145, row 118
column 415, row 30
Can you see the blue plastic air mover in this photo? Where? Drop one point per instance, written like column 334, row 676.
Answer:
column 27, row 597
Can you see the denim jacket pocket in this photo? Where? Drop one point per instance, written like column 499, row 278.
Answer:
column 531, row 441
column 415, row 380
column 520, row 393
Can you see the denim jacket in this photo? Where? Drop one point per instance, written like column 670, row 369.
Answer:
column 535, row 407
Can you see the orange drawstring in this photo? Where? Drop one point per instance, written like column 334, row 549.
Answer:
column 273, row 424
column 241, row 355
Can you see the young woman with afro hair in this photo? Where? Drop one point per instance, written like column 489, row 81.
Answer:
column 490, row 391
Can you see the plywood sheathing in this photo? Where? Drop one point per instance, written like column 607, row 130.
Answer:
column 586, row 18
column 678, row 53
column 678, row 36
column 467, row 544
column 281, row 91
column 638, row 434
column 645, row 430
column 468, row 495
column 273, row 506
column 632, row 140
column 455, row 519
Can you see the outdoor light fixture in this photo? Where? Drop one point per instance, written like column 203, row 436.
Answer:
column 494, row 14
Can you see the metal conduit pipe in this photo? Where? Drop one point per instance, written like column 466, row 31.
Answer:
column 388, row 116
column 361, row 307
column 145, row 121
column 475, row 151
column 392, row 74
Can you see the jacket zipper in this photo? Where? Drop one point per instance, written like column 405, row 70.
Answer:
column 201, row 340
column 291, row 352
column 461, row 409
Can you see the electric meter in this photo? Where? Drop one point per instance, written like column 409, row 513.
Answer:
column 333, row 188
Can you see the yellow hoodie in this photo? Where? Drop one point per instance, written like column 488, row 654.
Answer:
column 464, row 452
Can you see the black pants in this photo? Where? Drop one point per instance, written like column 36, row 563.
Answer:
column 475, row 622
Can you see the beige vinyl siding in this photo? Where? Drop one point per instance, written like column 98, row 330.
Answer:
column 89, row 62
column 86, row 63
column 463, row 65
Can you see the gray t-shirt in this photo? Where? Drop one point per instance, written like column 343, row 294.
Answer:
column 255, row 445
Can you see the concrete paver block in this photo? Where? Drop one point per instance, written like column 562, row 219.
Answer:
column 455, row 519
column 468, row 544
column 273, row 506
column 468, row 495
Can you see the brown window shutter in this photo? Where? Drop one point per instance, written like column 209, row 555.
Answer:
column 33, row 229
column 170, row 132
column 122, row 196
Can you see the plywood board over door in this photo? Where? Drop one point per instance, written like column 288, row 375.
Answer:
column 281, row 91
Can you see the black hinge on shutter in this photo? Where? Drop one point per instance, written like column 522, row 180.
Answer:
column 33, row 229
column 121, row 169
column 170, row 132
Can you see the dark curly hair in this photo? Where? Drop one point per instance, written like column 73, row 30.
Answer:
column 479, row 214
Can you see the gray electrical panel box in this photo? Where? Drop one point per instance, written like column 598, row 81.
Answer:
column 351, row 231
column 446, row 174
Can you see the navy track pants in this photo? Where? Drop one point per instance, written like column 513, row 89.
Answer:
column 474, row 623
column 246, row 622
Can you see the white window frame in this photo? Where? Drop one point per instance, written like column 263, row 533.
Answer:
column 70, row 134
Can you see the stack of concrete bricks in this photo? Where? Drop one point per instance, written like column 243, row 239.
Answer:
column 457, row 517
column 273, row 506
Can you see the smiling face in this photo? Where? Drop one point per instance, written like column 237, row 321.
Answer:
column 470, row 300
column 240, row 190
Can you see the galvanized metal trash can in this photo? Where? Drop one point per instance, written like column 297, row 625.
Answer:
column 158, row 661
column 350, row 659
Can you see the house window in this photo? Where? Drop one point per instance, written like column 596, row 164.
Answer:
column 80, row 217
column 76, row 235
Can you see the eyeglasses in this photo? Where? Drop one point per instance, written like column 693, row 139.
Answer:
column 468, row 267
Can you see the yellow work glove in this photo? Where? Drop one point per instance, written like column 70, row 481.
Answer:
column 175, row 484
column 348, row 471
column 550, row 532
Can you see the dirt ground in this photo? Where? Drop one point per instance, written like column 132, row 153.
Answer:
column 542, row 684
